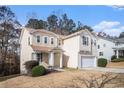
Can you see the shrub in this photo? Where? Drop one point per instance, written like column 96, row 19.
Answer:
column 38, row 71
column 121, row 56
column 102, row 62
column 118, row 60
column 30, row 64
column 113, row 57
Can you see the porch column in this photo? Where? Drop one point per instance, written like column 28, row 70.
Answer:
column 117, row 55
column 95, row 62
column 61, row 60
column 51, row 59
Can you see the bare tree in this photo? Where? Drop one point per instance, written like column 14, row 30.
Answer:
column 93, row 81
column 9, row 35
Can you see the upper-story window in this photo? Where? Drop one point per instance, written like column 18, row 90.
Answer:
column 117, row 43
column 85, row 40
column 98, row 46
column 38, row 39
column 52, row 40
column 45, row 39
column 59, row 42
column 94, row 42
column 104, row 45
column 28, row 40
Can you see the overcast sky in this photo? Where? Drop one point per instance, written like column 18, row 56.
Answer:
column 109, row 19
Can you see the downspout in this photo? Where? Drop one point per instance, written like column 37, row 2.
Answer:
column 91, row 46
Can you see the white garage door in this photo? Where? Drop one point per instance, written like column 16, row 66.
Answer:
column 87, row 61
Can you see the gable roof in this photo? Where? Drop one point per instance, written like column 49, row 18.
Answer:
column 22, row 31
column 120, row 40
column 79, row 33
column 32, row 31
column 108, row 39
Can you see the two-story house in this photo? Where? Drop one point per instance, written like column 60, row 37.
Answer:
column 119, row 47
column 106, row 48
column 75, row 51
column 80, row 49
column 40, row 45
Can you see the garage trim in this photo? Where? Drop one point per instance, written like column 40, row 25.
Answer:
column 80, row 64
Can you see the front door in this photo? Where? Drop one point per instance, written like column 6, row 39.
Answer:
column 39, row 57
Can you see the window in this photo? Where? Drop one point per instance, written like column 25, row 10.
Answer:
column 59, row 42
column 39, row 57
column 28, row 40
column 100, row 53
column 104, row 45
column 98, row 46
column 85, row 40
column 94, row 42
column 38, row 39
column 45, row 40
column 52, row 41
column 116, row 44
column 33, row 56
column 91, row 41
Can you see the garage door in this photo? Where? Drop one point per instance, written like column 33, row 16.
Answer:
column 87, row 61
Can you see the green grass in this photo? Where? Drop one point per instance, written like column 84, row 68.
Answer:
column 118, row 60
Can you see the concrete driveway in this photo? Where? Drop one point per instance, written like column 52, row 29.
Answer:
column 114, row 70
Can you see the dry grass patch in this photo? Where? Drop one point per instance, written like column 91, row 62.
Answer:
column 116, row 65
column 55, row 80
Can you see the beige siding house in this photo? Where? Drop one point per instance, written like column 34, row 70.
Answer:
column 40, row 45
column 77, row 50
column 80, row 50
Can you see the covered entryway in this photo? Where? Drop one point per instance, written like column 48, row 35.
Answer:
column 88, row 61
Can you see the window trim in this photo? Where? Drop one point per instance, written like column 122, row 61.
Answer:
column 51, row 40
column 39, row 39
column 33, row 56
column 85, row 40
column 59, row 42
column 95, row 43
column 44, row 39
column 104, row 45
column 29, row 41
column 98, row 46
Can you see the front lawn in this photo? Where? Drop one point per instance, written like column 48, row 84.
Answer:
column 60, row 80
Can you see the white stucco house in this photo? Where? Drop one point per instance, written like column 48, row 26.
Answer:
column 77, row 50
column 106, row 48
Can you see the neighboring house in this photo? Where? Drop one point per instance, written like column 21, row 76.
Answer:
column 109, row 47
column 119, row 47
column 105, row 48
column 76, row 50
